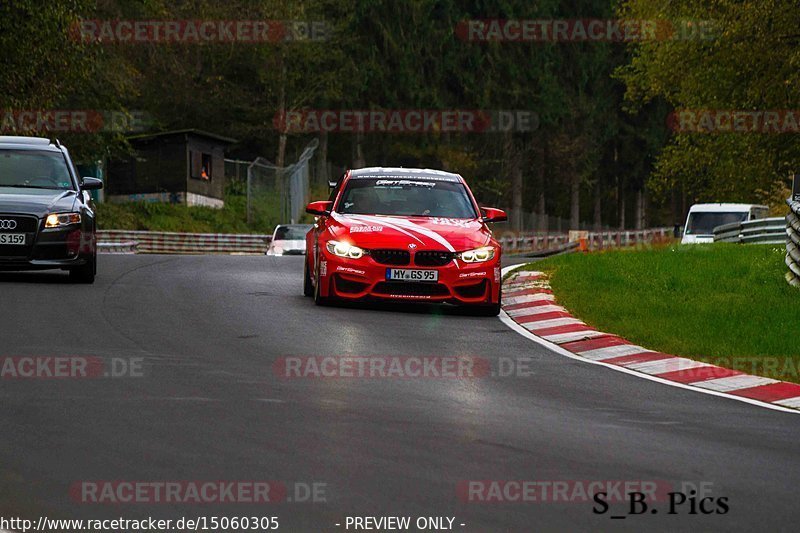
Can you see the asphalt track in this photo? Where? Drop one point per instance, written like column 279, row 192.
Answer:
column 209, row 407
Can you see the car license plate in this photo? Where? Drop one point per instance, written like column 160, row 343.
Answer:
column 12, row 238
column 404, row 274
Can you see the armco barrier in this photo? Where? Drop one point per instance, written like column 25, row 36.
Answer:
column 762, row 231
column 152, row 242
column 128, row 247
column 793, row 244
column 616, row 239
column 537, row 244
column 532, row 243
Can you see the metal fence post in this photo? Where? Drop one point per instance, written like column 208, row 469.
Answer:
column 249, row 175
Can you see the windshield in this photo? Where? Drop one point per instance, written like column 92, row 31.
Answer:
column 704, row 223
column 409, row 197
column 34, row 169
column 291, row 233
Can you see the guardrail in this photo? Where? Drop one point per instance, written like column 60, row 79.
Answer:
column 617, row 239
column 793, row 244
column 127, row 247
column 538, row 244
column 762, row 231
column 152, row 242
column 532, row 243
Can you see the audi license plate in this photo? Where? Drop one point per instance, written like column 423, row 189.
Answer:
column 405, row 274
column 12, row 238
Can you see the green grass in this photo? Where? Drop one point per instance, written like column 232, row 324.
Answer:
column 725, row 304
column 153, row 216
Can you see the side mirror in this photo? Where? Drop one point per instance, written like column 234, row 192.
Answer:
column 490, row 214
column 91, row 184
column 320, row 208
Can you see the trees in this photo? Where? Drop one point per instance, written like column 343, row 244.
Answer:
column 47, row 67
column 733, row 56
column 595, row 156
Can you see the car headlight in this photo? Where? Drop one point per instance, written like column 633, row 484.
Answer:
column 343, row 249
column 58, row 220
column 478, row 255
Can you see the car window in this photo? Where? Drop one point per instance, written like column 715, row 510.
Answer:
column 34, row 169
column 406, row 196
column 291, row 233
column 701, row 223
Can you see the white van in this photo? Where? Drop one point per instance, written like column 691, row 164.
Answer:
column 703, row 218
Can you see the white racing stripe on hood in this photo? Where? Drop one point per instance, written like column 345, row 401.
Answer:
column 383, row 222
column 413, row 226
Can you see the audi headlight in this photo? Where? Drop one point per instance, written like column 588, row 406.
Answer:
column 478, row 255
column 58, row 220
column 343, row 249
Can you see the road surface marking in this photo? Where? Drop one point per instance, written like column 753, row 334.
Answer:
column 613, row 351
column 734, row 383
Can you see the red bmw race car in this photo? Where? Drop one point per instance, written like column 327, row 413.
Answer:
column 402, row 234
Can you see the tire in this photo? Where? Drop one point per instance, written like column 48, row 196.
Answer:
column 318, row 298
column 85, row 273
column 308, row 287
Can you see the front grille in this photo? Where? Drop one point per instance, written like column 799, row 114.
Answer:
column 24, row 224
column 432, row 258
column 391, row 257
column 472, row 291
column 411, row 289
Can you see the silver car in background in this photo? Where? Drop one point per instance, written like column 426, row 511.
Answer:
column 289, row 239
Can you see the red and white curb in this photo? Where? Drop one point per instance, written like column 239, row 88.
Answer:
column 530, row 308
